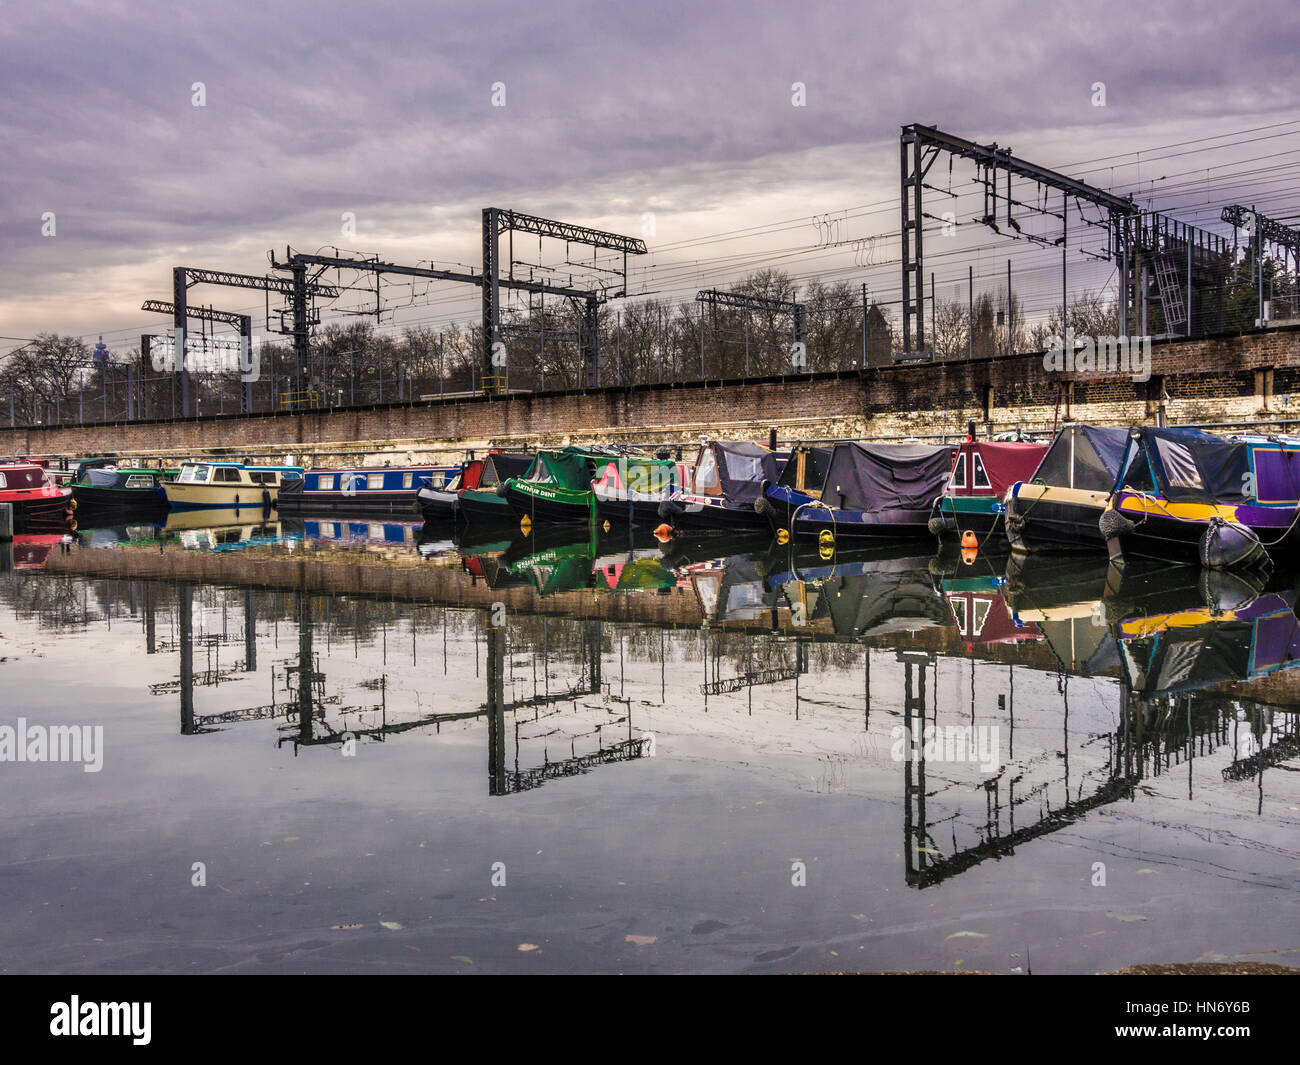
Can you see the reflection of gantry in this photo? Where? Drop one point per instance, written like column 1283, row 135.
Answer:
column 1152, row 735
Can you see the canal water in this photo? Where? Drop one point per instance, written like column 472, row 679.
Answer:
column 365, row 747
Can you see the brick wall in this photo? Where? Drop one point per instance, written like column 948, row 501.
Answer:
column 1208, row 379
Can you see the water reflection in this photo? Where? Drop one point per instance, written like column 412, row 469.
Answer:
column 889, row 669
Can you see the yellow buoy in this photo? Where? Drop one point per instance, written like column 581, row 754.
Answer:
column 605, row 527
column 826, row 538
column 782, row 536
column 525, row 524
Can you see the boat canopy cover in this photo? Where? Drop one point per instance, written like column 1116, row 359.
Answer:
column 501, row 467
column 1085, row 457
column 103, row 477
column 809, row 475
column 564, row 468
column 875, row 477
column 994, row 467
column 1187, row 466
column 735, row 470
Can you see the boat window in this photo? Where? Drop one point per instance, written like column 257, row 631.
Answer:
column 325, row 483
column 745, row 467
column 290, row 475
column 3, row 482
column 195, row 475
column 227, row 475
column 540, row 473
column 980, row 478
column 409, row 478
column 375, row 481
column 706, row 472
column 140, row 480
column 1180, row 466
column 958, row 479
column 1138, row 475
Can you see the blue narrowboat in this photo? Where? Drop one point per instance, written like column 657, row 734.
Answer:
column 364, row 491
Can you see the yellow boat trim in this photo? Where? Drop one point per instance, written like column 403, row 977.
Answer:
column 1146, row 505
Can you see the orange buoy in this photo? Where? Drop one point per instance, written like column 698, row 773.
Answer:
column 969, row 539
column 969, row 555
column 664, row 533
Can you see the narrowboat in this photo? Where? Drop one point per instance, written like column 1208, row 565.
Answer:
column 800, row 482
column 38, row 503
column 982, row 472
column 1191, row 497
column 557, row 486
column 103, row 485
column 363, row 491
column 628, row 489
column 876, row 492
column 442, row 503
column 220, row 485
column 728, row 482
column 480, row 504
column 1059, row 507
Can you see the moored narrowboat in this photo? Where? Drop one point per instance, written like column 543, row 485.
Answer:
column 876, row 492
column 1059, row 507
column 38, row 503
column 982, row 472
column 1189, row 496
column 376, row 491
column 213, row 485
column 442, row 502
column 481, row 504
column 628, row 489
column 103, row 485
column 801, row 482
column 557, row 486
column 728, row 481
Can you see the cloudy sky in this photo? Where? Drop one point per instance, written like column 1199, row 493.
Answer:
column 613, row 112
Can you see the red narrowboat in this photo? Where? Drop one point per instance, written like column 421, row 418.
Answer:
column 38, row 503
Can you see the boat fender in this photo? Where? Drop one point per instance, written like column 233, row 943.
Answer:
column 936, row 526
column 1014, row 525
column 1227, row 545
column 764, row 509
column 664, row 533
column 669, row 509
column 266, row 498
column 501, row 489
column 1112, row 525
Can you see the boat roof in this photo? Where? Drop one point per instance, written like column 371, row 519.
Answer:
column 241, row 465
column 382, row 469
